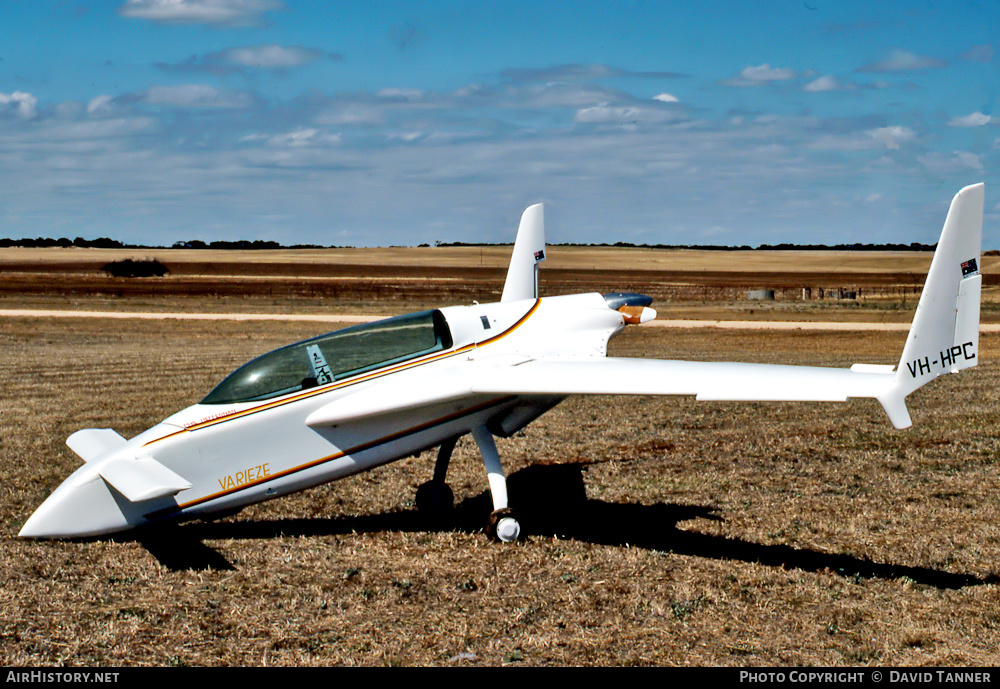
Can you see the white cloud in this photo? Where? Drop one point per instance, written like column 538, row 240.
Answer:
column 666, row 98
column 401, row 94
column 221, row 12
column 902, row 61
column 958, row 162
column 826, row 83
column 408, row 137
column 23, row 103
column 623, row 115
column 976, row 119
column 969, row 160
column 606, row 113
column 760, row 75
column 888, row 137
column 892, row 137
column 99, row 105
column 538, row 96
column 304, row 136
column 271, row 56
column 244, row 58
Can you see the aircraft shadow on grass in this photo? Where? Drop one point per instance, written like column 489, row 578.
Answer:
column 551, row 501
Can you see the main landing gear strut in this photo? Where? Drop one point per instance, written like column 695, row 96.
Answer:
column 435, row 497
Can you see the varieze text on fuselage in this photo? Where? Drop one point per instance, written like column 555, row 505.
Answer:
column 249, row 475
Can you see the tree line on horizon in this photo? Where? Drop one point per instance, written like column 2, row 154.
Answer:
column 105, row 243
column 857, row 246
column 258, row 244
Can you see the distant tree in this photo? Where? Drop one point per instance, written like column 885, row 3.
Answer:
column 127, row 268
column 191, row 244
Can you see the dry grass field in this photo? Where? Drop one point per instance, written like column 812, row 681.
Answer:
column 459, row 257
column 701, row 285
column 660, row 531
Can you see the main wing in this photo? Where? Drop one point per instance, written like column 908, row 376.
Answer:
column 705, row 380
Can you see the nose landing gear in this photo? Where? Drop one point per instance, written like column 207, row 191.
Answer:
column 435, row 498
column 502, row 525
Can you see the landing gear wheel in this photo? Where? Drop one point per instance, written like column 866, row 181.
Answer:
column 435, row 499
column 502, row 526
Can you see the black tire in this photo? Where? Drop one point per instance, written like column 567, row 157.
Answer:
column 435, row 499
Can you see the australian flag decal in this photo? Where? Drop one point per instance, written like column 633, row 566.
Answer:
column 969, row 267
column 540, row 256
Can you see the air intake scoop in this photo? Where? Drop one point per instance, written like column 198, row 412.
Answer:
column 616, row 300
column 633, row 307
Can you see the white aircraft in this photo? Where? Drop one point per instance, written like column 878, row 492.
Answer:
column 357, row 398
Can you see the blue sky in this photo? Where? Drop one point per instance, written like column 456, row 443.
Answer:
column 397, row 123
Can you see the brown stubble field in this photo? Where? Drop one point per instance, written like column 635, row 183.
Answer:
column 702, row 285
column 660, row 531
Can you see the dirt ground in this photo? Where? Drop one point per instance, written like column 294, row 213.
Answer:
column 659, row 531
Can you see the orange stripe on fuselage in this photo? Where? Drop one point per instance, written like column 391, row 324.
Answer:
column 337, row 385
column 337, row 455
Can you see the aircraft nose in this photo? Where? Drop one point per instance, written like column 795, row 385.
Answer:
column 77, row 509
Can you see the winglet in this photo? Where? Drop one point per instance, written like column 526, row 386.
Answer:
column 529, row 251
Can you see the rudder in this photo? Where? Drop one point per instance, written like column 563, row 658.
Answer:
column 944, row 336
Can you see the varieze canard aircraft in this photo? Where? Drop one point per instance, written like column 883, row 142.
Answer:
column 367, row 395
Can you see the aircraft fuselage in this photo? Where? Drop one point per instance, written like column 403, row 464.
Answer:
column 238, row 453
